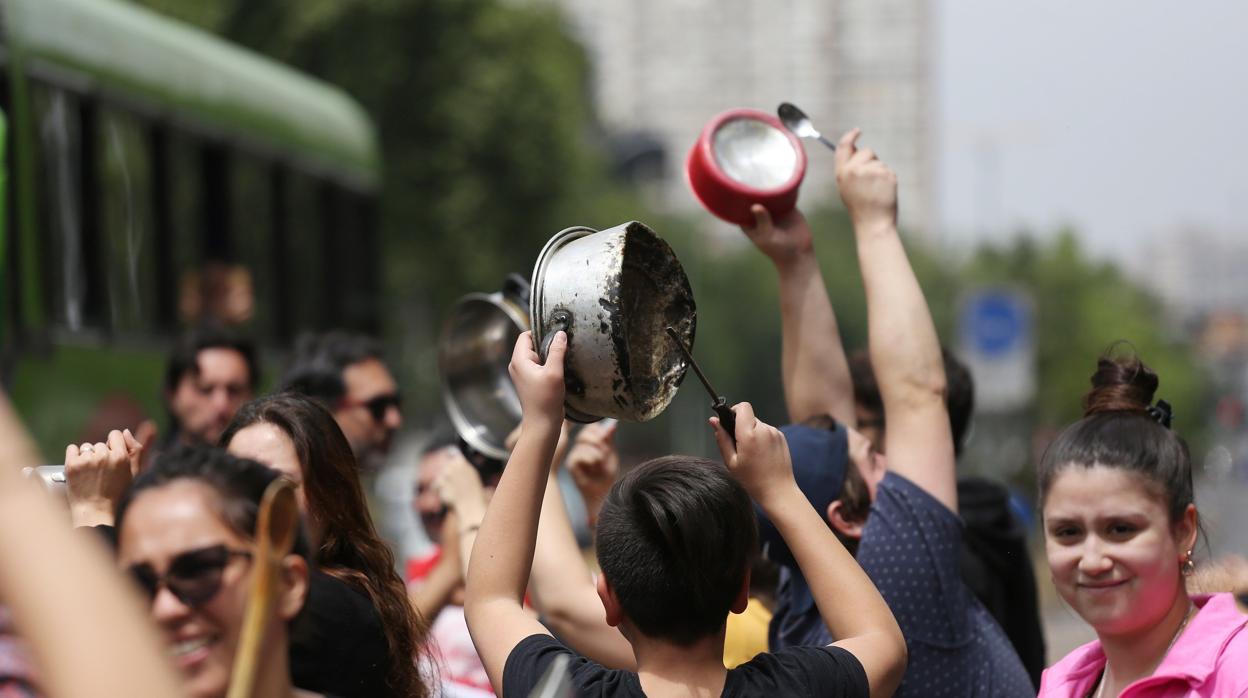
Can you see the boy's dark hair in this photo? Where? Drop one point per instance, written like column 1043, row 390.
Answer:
column 184, row 358
column 319, row 360
column 675, row 538
column 959, row 392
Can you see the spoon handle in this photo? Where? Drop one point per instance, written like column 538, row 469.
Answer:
column 825, row 141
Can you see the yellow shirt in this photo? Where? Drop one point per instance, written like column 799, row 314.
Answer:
column 746, row 635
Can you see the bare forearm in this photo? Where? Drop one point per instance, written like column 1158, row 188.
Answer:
column 905, row 351
column 814, row 368
column 906, row 356
column 563, row 589
column 503, row 554
column 848, row 601
column 435, row 593
column 87, row 640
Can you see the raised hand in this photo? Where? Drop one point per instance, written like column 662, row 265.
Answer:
column 539, row 386
column 460, row 489
column 760, row 461
column 594, row 464
column 784, row 240
column 868, row 187
column 96, row 476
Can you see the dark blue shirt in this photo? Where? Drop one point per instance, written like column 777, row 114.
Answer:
column 910, row 549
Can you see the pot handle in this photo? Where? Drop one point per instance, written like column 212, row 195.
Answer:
column 559, row 320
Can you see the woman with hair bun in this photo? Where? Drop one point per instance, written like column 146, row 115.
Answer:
column 1120, row 525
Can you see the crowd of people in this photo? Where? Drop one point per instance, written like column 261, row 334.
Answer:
column 840, row 554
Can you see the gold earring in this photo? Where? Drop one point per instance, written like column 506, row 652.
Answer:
column 1189, row 565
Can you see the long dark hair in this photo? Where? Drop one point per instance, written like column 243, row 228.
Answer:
column 1121, row 428
column 350, row 549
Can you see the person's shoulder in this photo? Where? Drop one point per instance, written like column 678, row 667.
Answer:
column 823, row 671
column 533, row 657
column 898, row 495
column 1076, row 667
column 334, row 596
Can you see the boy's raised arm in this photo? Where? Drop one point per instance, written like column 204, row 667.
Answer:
column 848, row 601
column 813, row 366
column 503, row 554
column 905, row 351
column 561, row 586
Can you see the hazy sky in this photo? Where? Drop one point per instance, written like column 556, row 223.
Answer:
column 1123, row 118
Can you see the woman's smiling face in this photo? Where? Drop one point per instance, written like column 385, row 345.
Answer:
column 1115, row 555
column 162, row 524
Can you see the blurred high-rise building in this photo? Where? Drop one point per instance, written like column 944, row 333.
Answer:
column 1196, row 272
column 663, row 68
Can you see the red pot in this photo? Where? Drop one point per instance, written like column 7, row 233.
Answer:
column 744, row 157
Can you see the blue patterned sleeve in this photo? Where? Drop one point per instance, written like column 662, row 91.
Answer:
column 910, row 550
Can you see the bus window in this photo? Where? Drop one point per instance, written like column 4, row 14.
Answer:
column 310, row 292
column 250, row 236
column 183, row 193
column 125, row 186
column 58, row 150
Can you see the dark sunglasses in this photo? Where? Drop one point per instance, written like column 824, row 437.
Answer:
column 194, row 577
column 377, row 406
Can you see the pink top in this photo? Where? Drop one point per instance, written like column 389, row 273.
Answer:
column 1209, row 660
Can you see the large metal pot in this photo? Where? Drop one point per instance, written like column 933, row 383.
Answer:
column 473, row 352
column 614, row 292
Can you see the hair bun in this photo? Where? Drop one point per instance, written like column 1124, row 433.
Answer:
column 1120, row 384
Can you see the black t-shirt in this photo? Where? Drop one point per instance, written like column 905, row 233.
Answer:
column 827, row 672
column 337, row 643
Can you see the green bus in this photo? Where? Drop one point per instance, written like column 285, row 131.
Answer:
column 155, row 176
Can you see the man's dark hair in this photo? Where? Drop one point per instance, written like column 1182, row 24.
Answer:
column 675, row 538
column 959, row 392
column 184, row 358
column 319, row 360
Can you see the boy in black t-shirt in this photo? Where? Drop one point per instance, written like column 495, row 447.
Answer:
column 674, row 538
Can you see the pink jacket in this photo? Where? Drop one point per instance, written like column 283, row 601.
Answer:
column 1209, row 660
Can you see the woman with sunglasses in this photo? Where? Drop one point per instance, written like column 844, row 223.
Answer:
column 362, row 605
column 1120, row 526
column 185, row 533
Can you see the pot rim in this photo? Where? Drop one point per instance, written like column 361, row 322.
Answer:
column 536, row 289
column 466, row 429
column 705, row 155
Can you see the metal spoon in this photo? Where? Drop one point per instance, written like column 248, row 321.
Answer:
column 796, row 121
column 719, row 404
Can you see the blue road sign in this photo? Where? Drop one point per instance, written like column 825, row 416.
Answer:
column 995, row 323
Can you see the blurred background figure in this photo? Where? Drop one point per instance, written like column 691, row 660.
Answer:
column 449, row 500
column 360, row 634
column 211, row 373
column 346, row 373
column 995, row 558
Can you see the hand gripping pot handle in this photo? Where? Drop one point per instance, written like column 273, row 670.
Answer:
column 559, row 320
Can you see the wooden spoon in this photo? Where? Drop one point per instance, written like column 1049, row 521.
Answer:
column 276, row 527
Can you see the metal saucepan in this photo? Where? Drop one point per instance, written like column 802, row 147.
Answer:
column 614, row 292
column 473, row 352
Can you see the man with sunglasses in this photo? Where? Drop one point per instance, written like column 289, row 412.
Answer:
column 345, row 371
